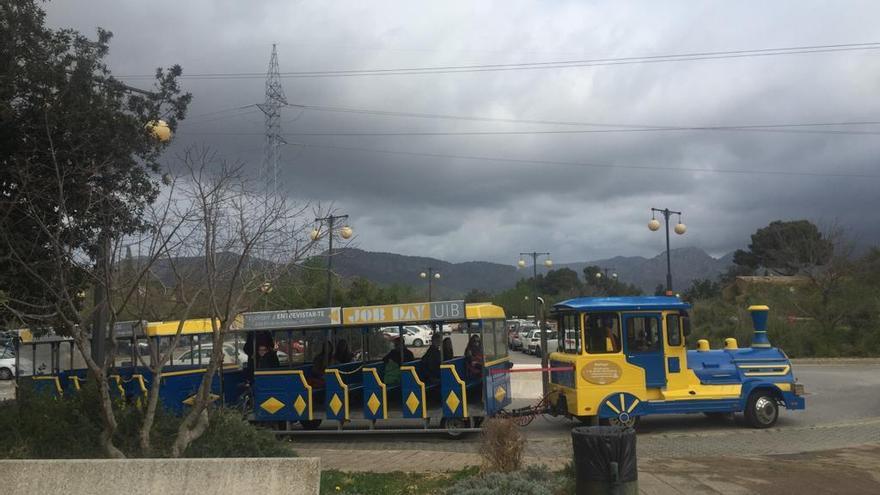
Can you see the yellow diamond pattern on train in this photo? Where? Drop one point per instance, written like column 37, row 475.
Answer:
column 373, row 403
column 271, row 405
column 452, row 402
column 412, row 402
column 299, row 404
column 500, row 394
column 335, row 404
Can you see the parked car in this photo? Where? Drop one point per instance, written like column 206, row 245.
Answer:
column 413, row 335
column 534, row 345
column 517, row 339
column 7, row 363
column 239, row 357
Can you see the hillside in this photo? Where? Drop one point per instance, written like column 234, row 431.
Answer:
column 457, row 278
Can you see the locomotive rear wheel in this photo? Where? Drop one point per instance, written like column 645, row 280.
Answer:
column 450, row 424
column 630, row 422
column 762, row 411
column 310, row 424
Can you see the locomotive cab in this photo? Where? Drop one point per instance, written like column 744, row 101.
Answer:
column 625, row 357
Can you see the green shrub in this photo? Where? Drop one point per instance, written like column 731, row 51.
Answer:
column 533, row 480
column 230, row 436
column 39, row 426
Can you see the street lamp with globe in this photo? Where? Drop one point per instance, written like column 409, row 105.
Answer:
column 345, row 232
column 430, row 275
column 680, row 229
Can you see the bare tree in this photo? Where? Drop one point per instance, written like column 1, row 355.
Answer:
column 72, row 270
column 242, row 238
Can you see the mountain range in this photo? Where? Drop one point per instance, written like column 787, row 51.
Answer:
column 456, row 279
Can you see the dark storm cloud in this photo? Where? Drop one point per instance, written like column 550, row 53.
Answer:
column 460, row 209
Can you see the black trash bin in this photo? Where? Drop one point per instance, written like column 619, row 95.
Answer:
column 605, row 460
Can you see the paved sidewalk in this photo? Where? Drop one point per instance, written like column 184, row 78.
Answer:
column 841, row 471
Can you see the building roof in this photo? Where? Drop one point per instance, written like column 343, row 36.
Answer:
column 639, row 303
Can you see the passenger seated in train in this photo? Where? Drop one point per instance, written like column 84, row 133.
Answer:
column 473, row 356
column 343, row 354
column 266, row 357
column 319, row 364
column 446, row 349
column 393, row 362
column 262, row 338
column 431, row 361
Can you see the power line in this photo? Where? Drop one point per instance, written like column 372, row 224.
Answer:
column 593, row 165
column 582, row 131
column 639, row 127
column 447, row 69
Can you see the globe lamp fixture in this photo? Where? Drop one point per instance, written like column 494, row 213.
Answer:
column 548, row 263
column 346, row 232
column 159, row 129
column 654, row 225
column 680, row 228
column 521, row 264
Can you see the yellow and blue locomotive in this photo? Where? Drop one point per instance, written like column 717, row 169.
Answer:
column 621, row 358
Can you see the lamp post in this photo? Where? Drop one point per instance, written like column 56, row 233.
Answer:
column 548, row 263
column 522, row 264
column 266, row 289
column 345, row 232
column 680, row 229
column 430, row 275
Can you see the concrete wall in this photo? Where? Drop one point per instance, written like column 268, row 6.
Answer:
column 263, row 476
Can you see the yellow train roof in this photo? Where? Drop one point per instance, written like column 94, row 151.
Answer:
column 190, row 327
column 483, row 311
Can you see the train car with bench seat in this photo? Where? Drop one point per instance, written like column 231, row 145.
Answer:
column 366, row 387
column 624, row 358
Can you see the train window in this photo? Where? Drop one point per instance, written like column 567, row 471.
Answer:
column 602, row 333
column 643, row 334
column 500, row 340
column 570, row 332
column 673, row 330
column 488, row 341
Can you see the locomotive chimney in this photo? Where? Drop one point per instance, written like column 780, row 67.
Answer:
column 759, row 321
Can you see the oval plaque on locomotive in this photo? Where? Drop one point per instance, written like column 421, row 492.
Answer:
column 601, row 372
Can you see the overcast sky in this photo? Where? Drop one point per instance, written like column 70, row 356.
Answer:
column 461, row 209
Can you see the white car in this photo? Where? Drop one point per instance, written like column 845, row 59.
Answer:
column 192, row 355
column 413, row 335
column 7, row 364
column 534, row 343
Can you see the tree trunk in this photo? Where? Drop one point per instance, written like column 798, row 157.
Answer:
column 196, row 422
column 150, row 414
column 108, row 416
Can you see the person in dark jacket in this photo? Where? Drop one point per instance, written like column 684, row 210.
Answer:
column 446, row 349
column 431, row 361
column 473, row 357
column 343, row 354
column 266, row 358
column 394, row 354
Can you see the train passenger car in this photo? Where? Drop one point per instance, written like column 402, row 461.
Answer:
column 347, row 370
column 625, row 357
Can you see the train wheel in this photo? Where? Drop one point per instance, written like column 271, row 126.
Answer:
column 310, row 424
column 623, row 421
column 451, row 424
column 762, row 411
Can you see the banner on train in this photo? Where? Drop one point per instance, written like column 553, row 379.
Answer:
column 404, row 313
column 292, row 318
